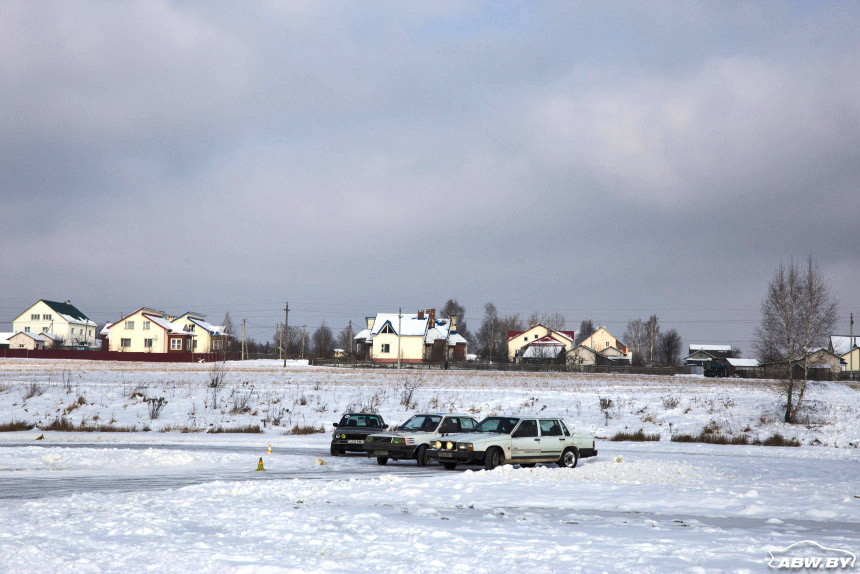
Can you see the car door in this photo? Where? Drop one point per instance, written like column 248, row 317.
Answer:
column 525, row 440
column 552, row 441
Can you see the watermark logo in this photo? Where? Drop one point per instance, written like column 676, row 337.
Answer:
column 809, row 555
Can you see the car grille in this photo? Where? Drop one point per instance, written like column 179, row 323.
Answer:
column 381, row 439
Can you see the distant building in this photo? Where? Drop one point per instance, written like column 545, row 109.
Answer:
column 421, row 337
column 207, row 338
column 704, row 355
column 65, row 322
column 149, row 331
column 847, row 349
column 4, row 340
column 545, row 340
column 27, row 340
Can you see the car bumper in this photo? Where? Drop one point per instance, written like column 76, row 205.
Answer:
column 348, row 444
column 458, row 456
column 587, row 452
column 398, row 451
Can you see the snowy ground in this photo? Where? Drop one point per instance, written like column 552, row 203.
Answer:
column 172, row 501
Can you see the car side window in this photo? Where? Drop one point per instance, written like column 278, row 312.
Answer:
column 564, row 428
column 527, row 428
column 450, row 426
column 467, row 424
column 549, row 427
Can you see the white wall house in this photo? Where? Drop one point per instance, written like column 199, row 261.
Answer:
column 207, row 338
column 148, row 331
column 419, row 337
column 62, row 320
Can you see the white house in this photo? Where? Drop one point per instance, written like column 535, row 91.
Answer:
column 419, row 337
column 207, row 338
column 62, row 320
column 149, row 331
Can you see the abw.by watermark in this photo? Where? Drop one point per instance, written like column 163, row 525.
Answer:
column 809, row 555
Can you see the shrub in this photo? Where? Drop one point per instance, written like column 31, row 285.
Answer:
column 156, row 405
column 237, row 429
column 711, row 438
column 15, row 426
column 670, row 403
column 638, row 436
column 62, row 424
column 777, row 439
column 33, row 390
column 304, row 429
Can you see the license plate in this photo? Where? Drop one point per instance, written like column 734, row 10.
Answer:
column 446, row 454
column 355, row 442
column 380, row 453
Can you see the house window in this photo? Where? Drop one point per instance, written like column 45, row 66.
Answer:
column 129, row 324
column 125, row 342
column 91, row 332
column 386, row 347
column 218, row 344
column 46, row 317
column 34, row 317
column 194, row 346
column 147, row 343
column 146, row 325
column 535, row 336
column 176, row 344
column 45, row 330
column 189, row 346
column 26, row 329
column 525, row 338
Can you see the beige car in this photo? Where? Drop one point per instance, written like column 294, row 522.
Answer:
column 514, row 440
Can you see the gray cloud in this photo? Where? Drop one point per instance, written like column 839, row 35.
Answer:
column 607, row 160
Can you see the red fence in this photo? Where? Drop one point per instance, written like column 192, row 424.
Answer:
column 118, row 356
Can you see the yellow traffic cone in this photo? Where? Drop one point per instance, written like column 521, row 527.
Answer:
column 270, row 449
column 260, row 464
column 40, row 437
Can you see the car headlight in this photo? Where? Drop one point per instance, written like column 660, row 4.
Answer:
column 343, row 435
column 438, row 444
column 398, row 440
column 465, row 446
column 368, row 439
column 449, row 445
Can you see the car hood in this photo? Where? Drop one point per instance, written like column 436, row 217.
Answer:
column 475, row 437
column 357, row 430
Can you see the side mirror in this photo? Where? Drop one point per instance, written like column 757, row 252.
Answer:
column 335, row 425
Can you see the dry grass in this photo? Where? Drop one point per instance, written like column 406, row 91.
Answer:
column 62, row 424
column 304, row 429
column 237, row 429
column 16, row 426
column 638, row 436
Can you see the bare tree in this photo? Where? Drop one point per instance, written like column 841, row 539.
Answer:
column 669, row 347
column 454, row 309
column 228, row 329
column 586, row 329
column 634, row 336
column 652, row 335
column 555, row 320
column 797, row 312
column 344, row 339
column 323, row 341
column 493, row 334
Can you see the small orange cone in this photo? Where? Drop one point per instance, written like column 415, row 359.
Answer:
column 270, row 449
column 260, row 464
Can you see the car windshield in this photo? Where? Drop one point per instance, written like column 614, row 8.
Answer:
column 503, row 425
column 426, row 423
column 361, row 421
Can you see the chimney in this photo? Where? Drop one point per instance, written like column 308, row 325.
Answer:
column 453, row 324
column 432, row 314
column 420, row 313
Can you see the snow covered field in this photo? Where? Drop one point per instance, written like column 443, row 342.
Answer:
column 181, row 501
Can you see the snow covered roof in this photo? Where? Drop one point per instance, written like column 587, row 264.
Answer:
column 410, row 324
column 544, row 351
column 743, row 362
column 566, row 334
column 364, row 335
column 69, row 312
column 841, row 344
column 105, row 329
column 212, row 329
column 4, row 338
column 34, row 336
column 724, row 348
column 166, row 325
column 455, row 339
column 50, row 336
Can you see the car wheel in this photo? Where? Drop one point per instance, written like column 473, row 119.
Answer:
column 421, row 455
column 569, row 458
column 382, row 460
column 449, row 465
column 334, row 451
column 493, row 458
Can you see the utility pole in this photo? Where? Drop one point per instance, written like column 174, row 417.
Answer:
column 851, row 347
column 399, row 321
column 349, row 332
column 244, row 344
column 285, row 331
column 302, row 352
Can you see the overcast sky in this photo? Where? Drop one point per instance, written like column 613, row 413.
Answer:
column 606, row 160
